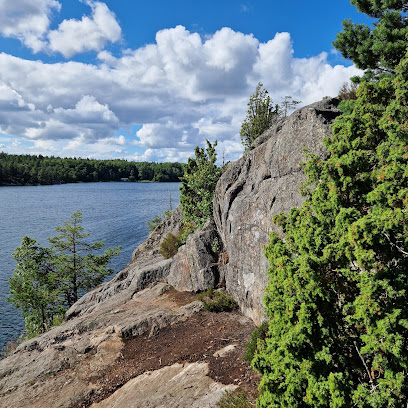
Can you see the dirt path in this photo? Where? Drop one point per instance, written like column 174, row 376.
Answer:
column 195, row 340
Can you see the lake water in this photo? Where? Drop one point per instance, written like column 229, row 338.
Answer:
column 114, row 212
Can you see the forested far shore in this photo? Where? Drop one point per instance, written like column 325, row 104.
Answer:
column 34, row 170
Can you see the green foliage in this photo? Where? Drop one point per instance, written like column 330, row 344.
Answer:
column 186, row 229
column 257, row 340
column 154, row 222
column 338, row 289
column 33, row 286
column 76, row 266
column 235, row 400
column 217, row 301
column 260, row 115
column 198, row 185
column 157, row 219
column 170, row 245
column 47, row 281
column 216, row 246
column 348, row 91
column 28, row 169
column 378, row 49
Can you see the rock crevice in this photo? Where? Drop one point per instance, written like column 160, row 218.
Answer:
column 263, row 183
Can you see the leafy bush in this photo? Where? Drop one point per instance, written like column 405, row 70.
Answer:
column 170, row 245
column 217, row 301
column 258, row 335
column 235, row 400
column 186, row 229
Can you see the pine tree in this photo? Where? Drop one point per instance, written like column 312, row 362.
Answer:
column 33, row 286
column 76, row 265
column 378, row 49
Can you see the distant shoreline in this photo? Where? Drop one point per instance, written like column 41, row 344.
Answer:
column 81, row 182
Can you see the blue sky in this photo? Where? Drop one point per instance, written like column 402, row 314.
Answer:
column 151, row 80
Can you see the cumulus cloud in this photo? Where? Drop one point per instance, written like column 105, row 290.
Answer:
column 89, row 120
column 167, row 135
column 90, row 33
column 27, row 20
column 180, row 90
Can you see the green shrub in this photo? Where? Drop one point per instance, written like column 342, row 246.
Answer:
column 170, row 245
column 258, row 335
column 186, row 229
column 157, row 219
column 235, row 400
column 153, row 223
column 198, row 185
column 217, row 301
column 260, row 116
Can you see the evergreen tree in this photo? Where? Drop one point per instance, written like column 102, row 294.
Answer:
column 198, row 185
column 378, row 49
column 338, row 290
column 260, row 116
column 288, row 104
column 33, row 287
column 76, row 265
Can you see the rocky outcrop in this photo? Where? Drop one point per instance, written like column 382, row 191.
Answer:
column 150, row 248
column 129, row 332
column 190, row 382
column 127, row 282
column 55, row 369
column 194, row 268
column 265, row 182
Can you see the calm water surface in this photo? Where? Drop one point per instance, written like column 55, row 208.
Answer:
column 114, row 212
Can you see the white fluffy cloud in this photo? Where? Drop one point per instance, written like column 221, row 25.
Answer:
column 179, row 91
column 29, row 21
column 90, row 33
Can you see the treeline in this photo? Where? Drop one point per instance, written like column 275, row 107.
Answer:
column 31, row 170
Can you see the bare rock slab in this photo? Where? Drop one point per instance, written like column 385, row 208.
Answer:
column 176, row 386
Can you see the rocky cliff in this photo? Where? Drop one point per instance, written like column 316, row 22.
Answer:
column 144, row 325
column 263, row 183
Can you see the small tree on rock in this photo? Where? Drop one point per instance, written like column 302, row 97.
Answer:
column 76, row 265
column 198, row 185
column 288, row 104
column 260, row 115
column 33, row 286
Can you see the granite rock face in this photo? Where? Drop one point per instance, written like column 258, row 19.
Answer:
column 265, row 182
column 194, row 268
column 151, row 247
